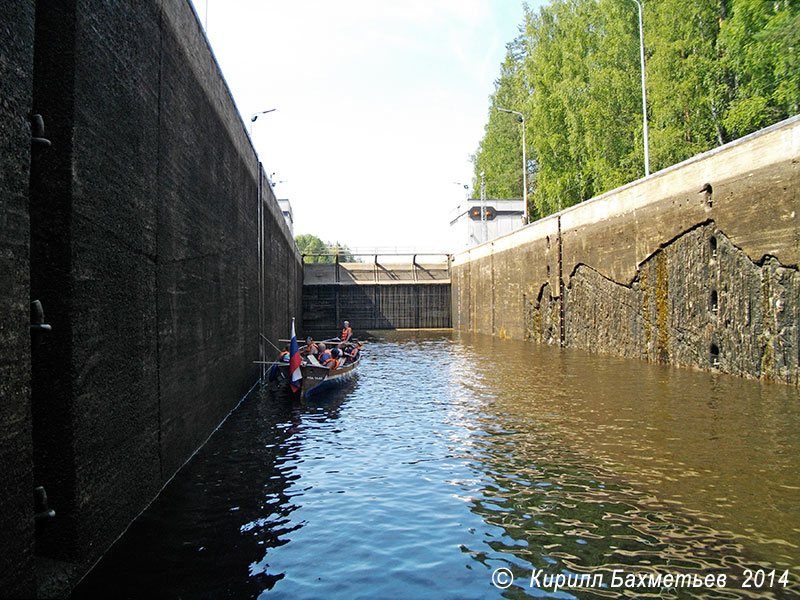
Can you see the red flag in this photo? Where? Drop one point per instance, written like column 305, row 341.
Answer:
column 294, row 363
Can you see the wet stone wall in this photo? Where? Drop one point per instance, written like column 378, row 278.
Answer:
column 699, row 302
column 695, row 266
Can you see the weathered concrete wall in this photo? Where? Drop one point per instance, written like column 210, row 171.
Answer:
column 282, row 280
column 16, row 452
column 376, row 294
column 695, row 265
column 152, row 236
column 93, row 265
column 375, row 306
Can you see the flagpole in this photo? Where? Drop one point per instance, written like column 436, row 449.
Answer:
column 295, row 374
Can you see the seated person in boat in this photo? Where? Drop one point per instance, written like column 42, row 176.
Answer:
column 338, row 352
column 347, row 332
column 311, row 348
column 284, row 356
column 355, row 350
column 325, row 358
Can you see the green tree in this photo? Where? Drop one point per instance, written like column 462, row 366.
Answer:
column 686, row 89
column 612, row 112
column 310, row 245
column 499, row 154
column 716, row 70
column 344, row 253
column 582, row 67
column 760, row 44
column 314, row 250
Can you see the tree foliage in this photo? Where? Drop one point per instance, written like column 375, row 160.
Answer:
column 500, row 151
column 716, row 70
column 314, row 250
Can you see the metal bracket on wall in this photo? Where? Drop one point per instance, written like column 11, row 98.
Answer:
column 37, row 131
column 40, row 508
column 38, row 326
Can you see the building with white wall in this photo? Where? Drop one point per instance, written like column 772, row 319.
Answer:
column 286, row 209
column 468, row 229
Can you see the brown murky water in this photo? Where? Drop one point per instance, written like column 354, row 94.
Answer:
column 713, row 444
column 454, row 463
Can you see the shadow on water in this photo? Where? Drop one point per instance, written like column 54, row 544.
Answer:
column 452, row 456
column 228, row 503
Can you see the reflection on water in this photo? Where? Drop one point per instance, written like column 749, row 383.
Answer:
column 450, row 457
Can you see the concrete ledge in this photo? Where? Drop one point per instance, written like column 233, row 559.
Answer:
column 767, row 161
column 369, row 273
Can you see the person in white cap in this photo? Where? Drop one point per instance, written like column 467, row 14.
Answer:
column 347, row 332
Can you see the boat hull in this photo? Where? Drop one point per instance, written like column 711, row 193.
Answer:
column 318, row 379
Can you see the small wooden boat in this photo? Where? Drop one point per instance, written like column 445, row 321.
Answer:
column 317, row 378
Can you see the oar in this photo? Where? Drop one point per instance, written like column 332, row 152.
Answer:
column 271, row 344
column 336, row 339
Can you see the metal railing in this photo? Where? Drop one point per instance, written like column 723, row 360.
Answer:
column 379, row 267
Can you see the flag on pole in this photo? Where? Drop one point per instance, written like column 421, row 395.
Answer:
column 294, row 363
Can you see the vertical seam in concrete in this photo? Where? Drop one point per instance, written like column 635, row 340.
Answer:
column 290, row 308
column 156, row 261
column 51, row 277
column 336, row 302
column 491, row 266
column 560, row 287
column 262, row 262
column 259, row 273
column 419, row 306
column 473, row 301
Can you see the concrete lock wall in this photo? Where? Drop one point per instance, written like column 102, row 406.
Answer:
column 148, row 232
column 396, row 306
column 375, row 295
column 16, row 452
column 696, row 265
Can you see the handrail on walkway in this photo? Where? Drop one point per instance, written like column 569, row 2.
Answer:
column 377, row 267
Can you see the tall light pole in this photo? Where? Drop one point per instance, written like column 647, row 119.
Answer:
column 463, row 185
column 644, row 94
column 521, row 119
column 255, row 116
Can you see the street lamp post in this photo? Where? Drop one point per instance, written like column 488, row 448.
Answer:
column 644, row 93
column 255, row 116
column 521, row 119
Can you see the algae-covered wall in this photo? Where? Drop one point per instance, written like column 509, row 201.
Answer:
column 696, row 265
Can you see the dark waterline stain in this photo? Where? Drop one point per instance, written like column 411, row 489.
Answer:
column 452, row 456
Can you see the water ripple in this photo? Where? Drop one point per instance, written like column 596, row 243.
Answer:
column 451, row 457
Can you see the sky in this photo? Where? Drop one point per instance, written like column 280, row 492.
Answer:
column 378, row 106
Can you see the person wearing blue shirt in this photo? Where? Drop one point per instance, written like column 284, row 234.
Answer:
column 324, row 355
